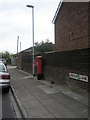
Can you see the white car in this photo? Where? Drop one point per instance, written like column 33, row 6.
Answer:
column 4, row 78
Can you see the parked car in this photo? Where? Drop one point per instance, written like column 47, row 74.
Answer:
column 4, row 78
column 3, row 60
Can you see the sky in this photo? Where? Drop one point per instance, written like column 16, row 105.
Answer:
column 16, row 20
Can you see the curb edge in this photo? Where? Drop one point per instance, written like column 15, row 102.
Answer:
column 19, row 104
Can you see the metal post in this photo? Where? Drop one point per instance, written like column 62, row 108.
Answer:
column 32, row 34
column 17, row 44
column 20, row 46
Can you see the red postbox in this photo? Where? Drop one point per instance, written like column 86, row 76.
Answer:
column 35, row 66
column 39, row 67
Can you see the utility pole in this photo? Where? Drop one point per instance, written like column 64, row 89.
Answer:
column 17, row 44
column 20, row 46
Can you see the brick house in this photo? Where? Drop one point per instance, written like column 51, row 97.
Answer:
column 71, row 26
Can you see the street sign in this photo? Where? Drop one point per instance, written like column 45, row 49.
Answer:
column 78, row 77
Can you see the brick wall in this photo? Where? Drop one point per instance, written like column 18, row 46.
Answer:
column 24, row 61
column 27, row 62
column 71, row 26
column 58, row 65
column 19, row 60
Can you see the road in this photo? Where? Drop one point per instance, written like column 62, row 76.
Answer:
column 7, row 106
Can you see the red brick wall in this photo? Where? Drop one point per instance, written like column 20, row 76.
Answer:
column 24, row 61
column 71, row 26
column 58, row 65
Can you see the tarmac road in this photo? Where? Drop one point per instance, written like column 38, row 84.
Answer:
column 7, row 106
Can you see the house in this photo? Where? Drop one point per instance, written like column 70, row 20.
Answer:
column 71, row 26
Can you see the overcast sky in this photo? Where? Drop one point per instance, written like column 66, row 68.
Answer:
column 16, row 20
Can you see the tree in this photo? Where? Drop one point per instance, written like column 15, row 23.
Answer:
column 7, row 56
column 43, row 47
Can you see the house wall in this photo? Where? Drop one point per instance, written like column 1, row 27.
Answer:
column 71, row 26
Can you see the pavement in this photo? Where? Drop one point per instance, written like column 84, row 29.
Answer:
column 40, row 99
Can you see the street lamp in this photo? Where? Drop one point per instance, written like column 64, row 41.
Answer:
column 17, row 43
column 30, row 6
column 20, row 46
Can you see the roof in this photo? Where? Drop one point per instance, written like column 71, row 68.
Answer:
column 27, row 50
column 57, row 11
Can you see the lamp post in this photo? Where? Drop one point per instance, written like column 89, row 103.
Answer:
column 20, row 46
column 17, row 43
column 30, row 6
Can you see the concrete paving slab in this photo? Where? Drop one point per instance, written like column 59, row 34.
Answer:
column 50, row 101
column 37, row 111
column 47, row 116
column 47, row 89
